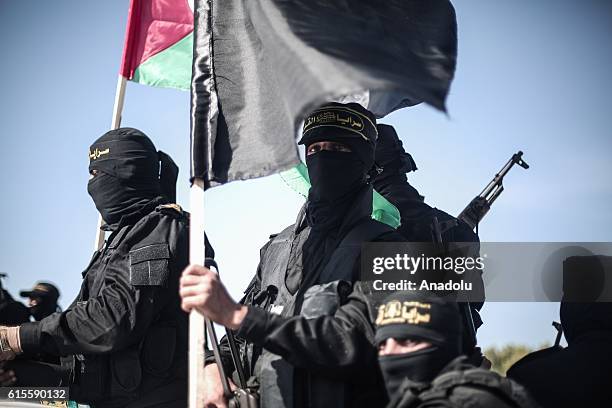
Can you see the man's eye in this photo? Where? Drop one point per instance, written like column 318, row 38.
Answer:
column 313, row 149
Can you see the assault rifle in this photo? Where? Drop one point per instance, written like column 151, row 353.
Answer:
column 480, row 205
column 472, row 215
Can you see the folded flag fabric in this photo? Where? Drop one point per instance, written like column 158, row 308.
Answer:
column 261, row 66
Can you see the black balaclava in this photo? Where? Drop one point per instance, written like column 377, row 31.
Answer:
column 43, row 309
column 46, row 295
column 584, row 278
column 393, row 163
column 390, row 156
column 128, row 176
column 421, row 317
column 338, row 180
column 336, row 177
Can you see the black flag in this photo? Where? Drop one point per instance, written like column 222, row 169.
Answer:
column 261, row 65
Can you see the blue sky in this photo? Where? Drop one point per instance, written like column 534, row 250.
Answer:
column 531, row 75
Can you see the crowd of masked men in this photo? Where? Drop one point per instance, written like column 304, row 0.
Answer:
column 309, row 331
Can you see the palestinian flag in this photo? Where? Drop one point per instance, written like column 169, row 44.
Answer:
column 158, row 47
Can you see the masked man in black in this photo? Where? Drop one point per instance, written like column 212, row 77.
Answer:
column 125, row 335
column 418, row 224
column 307, row 341
column 419, row 338
column 42, row 300
column 579, row 375
column 422, row 223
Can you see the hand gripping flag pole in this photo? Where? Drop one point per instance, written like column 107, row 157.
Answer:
column 197, row 332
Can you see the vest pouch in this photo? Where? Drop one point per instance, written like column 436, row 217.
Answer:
column 149, row 265
column 324, row 299
column 126, row 373
column 158, row 351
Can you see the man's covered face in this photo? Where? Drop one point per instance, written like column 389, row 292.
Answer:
column 41, row 307
column 339, row 140
column 124, row 166
column 115, row 197
column 390, row 155
column 416, row 360
column 334, row 170
column 418, row 335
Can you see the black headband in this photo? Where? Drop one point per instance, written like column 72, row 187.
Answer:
column 129, row 154
column 339, row 120
column 411, row 315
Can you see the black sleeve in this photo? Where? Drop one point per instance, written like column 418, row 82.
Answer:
column 119, row 315
column 116, row 318
column 341, row 344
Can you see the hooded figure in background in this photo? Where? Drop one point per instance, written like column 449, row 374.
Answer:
column 12, row 312
column 579, row 375
column 419, row 351
column 42, row 300
column 305, row 329
column 392, row 163
column 125, row 335
column 419, row 221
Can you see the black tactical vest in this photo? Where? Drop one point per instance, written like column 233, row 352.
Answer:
column 463, row 385
column 316, row 296
column 158, row 360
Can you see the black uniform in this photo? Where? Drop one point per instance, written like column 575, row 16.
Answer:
column 125, row 336
column 575, row 376
column 126, row 330
column 579, row 375
column 307, row 337
column 460, row 385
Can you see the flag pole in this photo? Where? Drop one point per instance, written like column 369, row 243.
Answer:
column 116, row 122
column 197, row 254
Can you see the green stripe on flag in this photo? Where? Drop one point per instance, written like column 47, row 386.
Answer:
column 170, row 68
column 382, row 209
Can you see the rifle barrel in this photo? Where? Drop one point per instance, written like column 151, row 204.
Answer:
column 478, row 207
